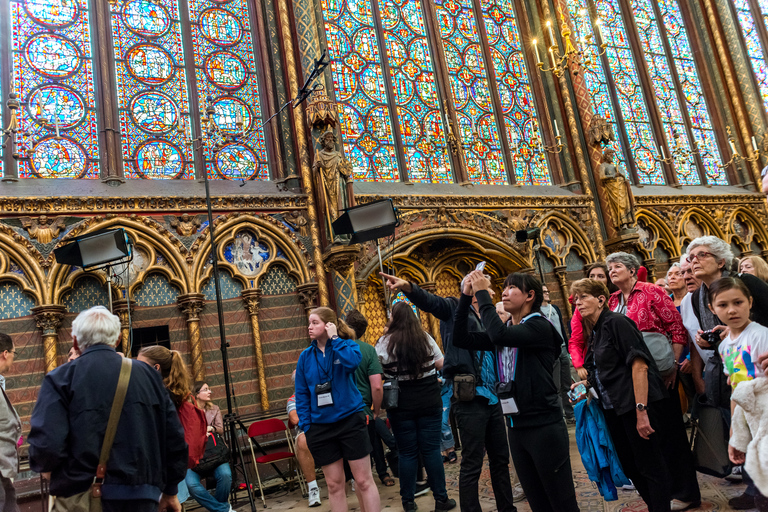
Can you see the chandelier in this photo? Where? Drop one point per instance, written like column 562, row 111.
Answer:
column 573, row 55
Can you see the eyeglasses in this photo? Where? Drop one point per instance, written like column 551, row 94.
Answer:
column 698, row 256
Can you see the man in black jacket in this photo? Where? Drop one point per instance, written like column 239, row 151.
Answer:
column 149, row 455
column 480, row 421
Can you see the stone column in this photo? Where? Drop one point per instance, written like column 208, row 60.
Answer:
column 434, row 323
column 191, row 305
column 48, row 319
column 120, row 308
column 562, row 278
column 308, row 296
column 650, row 264
column 339, row 260
column 252, row 300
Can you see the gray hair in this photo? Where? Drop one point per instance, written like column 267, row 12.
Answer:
column 716, row 246
column 628, row 260
column 683, row 260
column 675, row 264
column 96, row 326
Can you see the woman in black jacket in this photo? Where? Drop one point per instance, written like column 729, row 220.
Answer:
column 526, row 352
column 624, row 375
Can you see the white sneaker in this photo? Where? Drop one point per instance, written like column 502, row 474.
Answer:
column 314, row 497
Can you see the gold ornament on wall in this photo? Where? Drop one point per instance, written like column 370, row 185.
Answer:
column 186, row 225
column 43, row 229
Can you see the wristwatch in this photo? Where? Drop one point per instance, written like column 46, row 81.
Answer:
column 641, row 407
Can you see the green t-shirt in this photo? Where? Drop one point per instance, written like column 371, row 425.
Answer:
column 369, row 365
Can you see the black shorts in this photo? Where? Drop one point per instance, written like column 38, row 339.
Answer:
column 345, row 439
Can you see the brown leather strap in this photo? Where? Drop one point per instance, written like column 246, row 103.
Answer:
column 114, row 419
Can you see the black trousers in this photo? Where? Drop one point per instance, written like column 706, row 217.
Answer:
column 642, row 461
column 676, row 448
column 378, row 432
column 481, row 427
column 543, row 464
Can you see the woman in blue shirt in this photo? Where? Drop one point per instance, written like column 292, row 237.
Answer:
column 330, row 409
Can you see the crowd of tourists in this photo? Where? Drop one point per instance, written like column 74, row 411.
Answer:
column 636, row 365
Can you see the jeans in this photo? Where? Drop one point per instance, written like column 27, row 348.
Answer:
column 446, row 442
column 418, row 432
column 219, row 502
column 482, row 430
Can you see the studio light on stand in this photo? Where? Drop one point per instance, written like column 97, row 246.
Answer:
column 368, row 222
column 523, row 235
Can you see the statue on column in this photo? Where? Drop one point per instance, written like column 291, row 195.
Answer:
column 334, row 177
column 618, row 192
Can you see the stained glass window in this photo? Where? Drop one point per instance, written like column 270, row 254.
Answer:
column 514, row 89
column 413, row 82
column 471, row 95
column 152, row 90
column 359, row 84
column 53, row 78
column 701, row 127
column 754, row 48
column 226, row 75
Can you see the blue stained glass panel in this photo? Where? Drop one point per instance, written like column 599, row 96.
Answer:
column 478, row 132
column 754, row 49
column 225, row 69
column 152, row 92
column 413, row 81
column 359, row 84
column 514, row 90
column 52, row 75
column 701, row 126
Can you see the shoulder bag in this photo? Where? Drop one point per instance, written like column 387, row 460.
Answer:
column 216, row 453
column 391, row 393
column 90, row 500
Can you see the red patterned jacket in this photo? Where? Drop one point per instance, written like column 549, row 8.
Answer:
column 653, row 311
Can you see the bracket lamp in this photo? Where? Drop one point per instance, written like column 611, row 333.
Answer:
column 95, row 249
column 367, row 222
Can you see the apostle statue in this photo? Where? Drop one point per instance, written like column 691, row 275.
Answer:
column 43, row 229
column 617, row 192
column 334, row 174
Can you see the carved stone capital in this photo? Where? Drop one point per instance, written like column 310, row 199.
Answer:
column 341, row 257
column 623, row 243
column 650, row 265
column 308, row 295
column 49, row 317
column 252, row 301
column 561, row 272
column 191, row 304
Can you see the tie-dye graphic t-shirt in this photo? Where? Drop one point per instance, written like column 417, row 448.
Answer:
column 739, row 355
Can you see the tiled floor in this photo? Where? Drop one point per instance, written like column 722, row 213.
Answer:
column 715, row 493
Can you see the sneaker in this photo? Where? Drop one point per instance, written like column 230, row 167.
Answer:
column 421, row 489
column 743, row 502
column 683, row 505
column 352, row 484
column 630, row 487
column 410, row 506
column 448, row 504
column 735, row 475
column 314, row 497
column 517, row 493
column 452, row 457
column 231, row 509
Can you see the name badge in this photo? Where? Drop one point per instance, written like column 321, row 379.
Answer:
column 509, row 406
column 324, row 399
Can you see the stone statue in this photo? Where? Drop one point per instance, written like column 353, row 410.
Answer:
column 185, row 225
column 42, row 229
column 297, row 221
column 334, row 173
column 617, row 192
column 599, row 131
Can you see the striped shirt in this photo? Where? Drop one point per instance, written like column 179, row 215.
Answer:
column 390, row 365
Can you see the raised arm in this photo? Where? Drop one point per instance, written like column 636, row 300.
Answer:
column 348, row 353
column 528, row 334
column 440, row 307
column 462, row 337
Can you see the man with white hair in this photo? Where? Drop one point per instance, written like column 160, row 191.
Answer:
column 149, row 455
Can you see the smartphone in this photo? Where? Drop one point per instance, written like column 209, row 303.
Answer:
column 480, row 266
column 577, row 393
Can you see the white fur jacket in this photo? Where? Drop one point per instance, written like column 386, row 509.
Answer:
column 750, row 428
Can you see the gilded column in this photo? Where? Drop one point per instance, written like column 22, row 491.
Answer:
column 340, row 261
column 120, row 308
column 434, row 323
column 48, row 319
column 360, row 285
column 733, row 90
column 562, row 278
column 301, row 141
column 650, row 265
column 581, row 163
column 252, row 300
column 191, row 305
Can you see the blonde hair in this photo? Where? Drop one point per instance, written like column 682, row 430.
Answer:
column 761, row 267
column 175, row 374
column 328, row 315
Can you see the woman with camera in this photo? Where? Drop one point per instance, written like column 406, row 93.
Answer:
column 624, row 376
column 330, row 409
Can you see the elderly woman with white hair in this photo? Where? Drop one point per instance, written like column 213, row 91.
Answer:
column 660, row 322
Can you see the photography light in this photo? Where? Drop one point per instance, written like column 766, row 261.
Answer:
column 94, row 249
column 367, row 222
column 527, row 234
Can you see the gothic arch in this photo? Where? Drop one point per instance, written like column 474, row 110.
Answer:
column 266, row 229
column 703, row 220
column 664, row 235
column 32, row 278
column 576, row 238
column 147, row 235
column 757, row 233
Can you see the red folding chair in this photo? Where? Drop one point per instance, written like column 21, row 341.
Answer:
column 273, row 426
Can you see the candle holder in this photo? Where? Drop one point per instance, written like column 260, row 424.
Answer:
column 13, row 125
column 211, row 134
column 735, row 156
column 574, row 57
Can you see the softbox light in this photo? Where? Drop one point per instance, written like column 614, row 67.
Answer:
column 367, row 222
column 94, row 249
column 527, row 234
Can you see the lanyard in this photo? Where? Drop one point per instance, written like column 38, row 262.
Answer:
column 327, row 373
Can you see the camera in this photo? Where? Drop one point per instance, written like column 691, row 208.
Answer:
column 711, row 336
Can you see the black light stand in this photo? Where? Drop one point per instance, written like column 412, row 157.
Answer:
column 534, row 234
